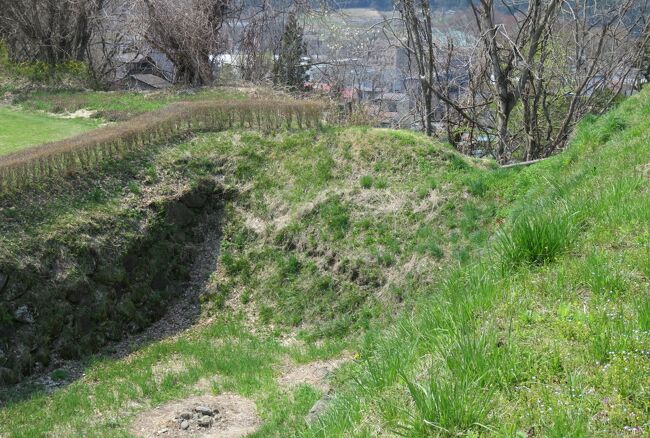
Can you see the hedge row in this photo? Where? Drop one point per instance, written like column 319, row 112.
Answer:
column 86, row 150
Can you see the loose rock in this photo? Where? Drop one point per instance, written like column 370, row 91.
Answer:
column 205, row 421
column 203, row 410
column 22, row 314
column 317, row 410
column 232, row 416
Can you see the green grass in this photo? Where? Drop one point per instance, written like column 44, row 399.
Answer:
column 305, row 253
column 118, row 105
column 479, row 301
column 225, row 355
column 547, row 331
column 326, row 219
column 536, row 239
column 22, row 129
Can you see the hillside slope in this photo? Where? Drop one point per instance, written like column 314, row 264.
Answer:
column 548, row 332
column 455, row 298
column 325, row 232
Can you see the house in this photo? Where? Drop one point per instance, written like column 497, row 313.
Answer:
column 393, row 102
column 129, row 63
column 147, row 82
column 394, row 110
column 132, row 63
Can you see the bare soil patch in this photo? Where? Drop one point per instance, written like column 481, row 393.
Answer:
column 172, row 366
column 316, row 374
column 223, row 416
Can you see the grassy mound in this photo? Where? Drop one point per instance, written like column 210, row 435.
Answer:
column 334, row 229
column 328, row 232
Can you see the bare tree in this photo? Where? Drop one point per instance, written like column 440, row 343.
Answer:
column 535, row 69
column 52, row 31
column 189, row 34
column 260, row 39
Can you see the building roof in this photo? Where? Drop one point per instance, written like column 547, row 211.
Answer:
column 349, row 93
column 130, row 57
column 152, row 80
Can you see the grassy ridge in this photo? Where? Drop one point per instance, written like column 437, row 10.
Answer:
column 548, row 332
column 86, row 151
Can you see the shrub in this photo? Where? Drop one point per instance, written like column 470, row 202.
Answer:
column 431, row 248
column 611, row 126
column 381, row 183
column 456, row 162
column 643, row 312
column 426, row 187
column 535, row 239
column 336, row 217
column 601, row 277
column 451, row 406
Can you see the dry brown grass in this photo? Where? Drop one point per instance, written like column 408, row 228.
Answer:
column 86, row 150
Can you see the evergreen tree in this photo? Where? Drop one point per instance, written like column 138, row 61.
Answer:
column 288, row 68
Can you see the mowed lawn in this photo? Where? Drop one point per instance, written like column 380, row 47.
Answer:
column 22, row 129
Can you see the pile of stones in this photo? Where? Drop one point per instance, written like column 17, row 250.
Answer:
column 200, row 418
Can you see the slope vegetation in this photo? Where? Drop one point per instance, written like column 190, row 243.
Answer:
column 547, row 333
column 455, row 298
column 325, row 233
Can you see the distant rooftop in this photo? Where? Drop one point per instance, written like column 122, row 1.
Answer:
column 152, row 80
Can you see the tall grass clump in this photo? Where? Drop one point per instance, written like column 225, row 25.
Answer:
column 450, row 407
column 85, row 151
column 536, row 238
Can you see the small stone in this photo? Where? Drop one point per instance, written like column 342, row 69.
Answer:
column 204, row 410
column 185, row 425
column 186, row 415
column 317, row 410
column 22, row 314
column 205, row 421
